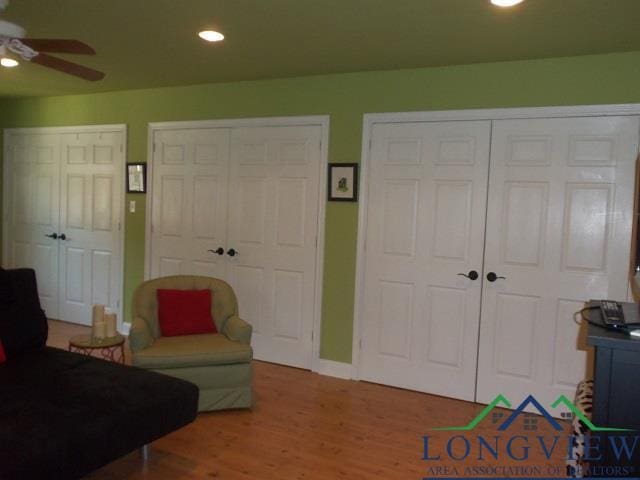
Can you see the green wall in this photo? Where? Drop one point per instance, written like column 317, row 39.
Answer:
column 594, row 79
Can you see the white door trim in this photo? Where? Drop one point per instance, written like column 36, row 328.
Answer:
column 370, row 119
column 117, row 128
column 319, row 120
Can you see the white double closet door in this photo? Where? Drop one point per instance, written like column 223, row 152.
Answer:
column 544, row 204
column 242, row 204
column 63, row 207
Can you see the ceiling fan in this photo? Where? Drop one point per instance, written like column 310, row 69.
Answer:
column 33, row 50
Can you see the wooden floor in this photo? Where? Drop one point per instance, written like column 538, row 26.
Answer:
column 306, row 426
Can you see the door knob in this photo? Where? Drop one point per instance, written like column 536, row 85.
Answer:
column 492, row 277
column 472, row 275
column 62, row 236
column 232, row 252
column 219, row 251
column 53, row 235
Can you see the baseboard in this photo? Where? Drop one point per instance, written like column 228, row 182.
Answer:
column 334, row 369
column 124, row 329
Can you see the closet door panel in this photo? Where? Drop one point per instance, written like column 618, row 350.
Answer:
column 189, row 211
column 273, row 205
column 91, row 190
column 425, row 225
column 34, row 211
column 558, row 228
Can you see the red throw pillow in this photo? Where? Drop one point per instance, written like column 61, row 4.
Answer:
column 185, row 312
column 3, row 356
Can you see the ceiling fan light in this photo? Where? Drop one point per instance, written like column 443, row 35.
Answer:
column 211, row 36
column 8, row 62
column 506, row 3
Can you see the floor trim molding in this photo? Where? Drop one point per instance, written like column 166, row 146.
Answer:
column 331, row 368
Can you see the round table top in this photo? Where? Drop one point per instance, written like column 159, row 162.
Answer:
column 87, row 341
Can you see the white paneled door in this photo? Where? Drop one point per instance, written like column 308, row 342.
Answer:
column 559, row 223
column 557, row 198
column 32, row 210
column 242, row 204
column 189, row 203
column 273, row 221
column 91, row 202
column 425, row 227
column 64, row 204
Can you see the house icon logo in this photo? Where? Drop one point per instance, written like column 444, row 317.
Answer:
column 534, row 404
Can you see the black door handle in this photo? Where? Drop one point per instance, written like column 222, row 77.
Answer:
column 492, row 277
column 62, row 236
column 472, row 275
column 219, row 251
column 232, row 252
column 53, row 235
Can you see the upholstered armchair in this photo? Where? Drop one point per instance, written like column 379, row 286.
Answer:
column 218, row 363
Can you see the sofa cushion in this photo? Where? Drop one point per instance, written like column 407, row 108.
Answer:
column 6, row 292
column 64, row 414
column 185, row 312
column 23, row 324
column 193, row 351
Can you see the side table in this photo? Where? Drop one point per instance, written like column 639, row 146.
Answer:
column 111, row 348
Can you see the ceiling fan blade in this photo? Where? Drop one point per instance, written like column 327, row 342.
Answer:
column 67, row 67
column 58, row 45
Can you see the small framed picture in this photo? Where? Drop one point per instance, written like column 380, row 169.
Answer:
column 343, row 182
column 136, row 177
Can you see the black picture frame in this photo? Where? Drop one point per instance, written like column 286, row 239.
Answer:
column 136, row 178
column 343, row 182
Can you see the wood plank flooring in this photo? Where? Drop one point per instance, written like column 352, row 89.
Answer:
column 309, row 427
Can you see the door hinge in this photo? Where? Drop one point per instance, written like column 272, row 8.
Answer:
column 151, row 227
column 360, row 344
column 119, row 226
column 154, row 148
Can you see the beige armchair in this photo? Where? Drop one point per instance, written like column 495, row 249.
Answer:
column 219, row 364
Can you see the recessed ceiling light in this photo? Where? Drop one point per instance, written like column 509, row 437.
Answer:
column 506, row 3
column 211, row 36
column 8, row 62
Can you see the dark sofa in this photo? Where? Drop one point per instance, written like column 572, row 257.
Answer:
column 62, row 414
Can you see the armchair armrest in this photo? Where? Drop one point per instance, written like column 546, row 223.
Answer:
column 140, row 336
column 237, row 330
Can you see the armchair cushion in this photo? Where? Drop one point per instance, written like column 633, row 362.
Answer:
column 140, row 336
column 185, row 312
column 238, row 330
column 192, row 351
column 145, row 298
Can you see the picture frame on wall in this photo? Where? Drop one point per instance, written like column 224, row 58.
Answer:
column 136, row 177
column 343, row 182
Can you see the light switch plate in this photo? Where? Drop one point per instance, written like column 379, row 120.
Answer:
column 132, row 206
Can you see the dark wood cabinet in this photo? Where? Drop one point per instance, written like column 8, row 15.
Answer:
column 616, row 393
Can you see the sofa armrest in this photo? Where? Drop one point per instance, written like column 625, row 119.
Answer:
column 140, row 336
column 237, row 330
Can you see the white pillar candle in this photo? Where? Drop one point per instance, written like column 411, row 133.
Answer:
column 100, row 330
column 110, row 320
column 97, row 325
column 97, row 313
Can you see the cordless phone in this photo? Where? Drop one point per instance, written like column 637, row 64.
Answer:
column 612, row 315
